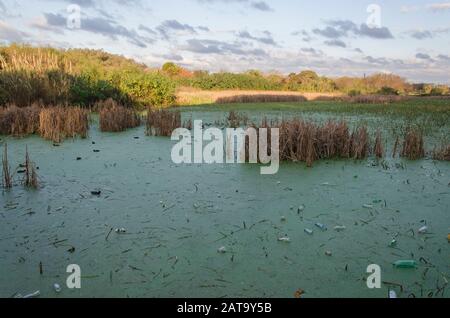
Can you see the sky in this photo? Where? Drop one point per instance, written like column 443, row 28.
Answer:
column 334, row 38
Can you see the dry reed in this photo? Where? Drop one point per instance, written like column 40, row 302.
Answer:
column 116, row 118
column 30, row 178
column 58, row 123
column 7, row 179
column 236, row 119
column 161, row 122
column 396, row 145
column 378, row 149
column 19, row 122
column 413, row 145
column 261, row 98
column 307, row 142
column 442, row 153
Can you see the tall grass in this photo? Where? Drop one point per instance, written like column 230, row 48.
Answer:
column 162, row 122
column 116, row 118
column 59, row 123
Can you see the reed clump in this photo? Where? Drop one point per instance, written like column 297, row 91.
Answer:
column 6, row 172
column 378, row 149
column 413, row 145
column 162, row 122
column 116, row 118
column 442, row 153
column 235, row 119
column 59, row 123
column 260, row 98
column 375, row 99
column 18, row 121
column 303, row 141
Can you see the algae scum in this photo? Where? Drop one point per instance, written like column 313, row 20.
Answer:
column 215, row 230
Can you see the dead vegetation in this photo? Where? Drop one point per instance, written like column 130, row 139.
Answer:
column 303, row 141
column 30, row 179
column 235, row 119
column 19, row 122
column 59, row 123
column 364, row 99
column 378, row 149
column 442, row 153
column 162, row 122
column 261, row 98
column 6, row 173
column 116, row 118
column 413, row 144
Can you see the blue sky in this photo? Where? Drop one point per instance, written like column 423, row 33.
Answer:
column 335, row 38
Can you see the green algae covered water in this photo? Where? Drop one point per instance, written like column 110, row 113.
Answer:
column 214, row 230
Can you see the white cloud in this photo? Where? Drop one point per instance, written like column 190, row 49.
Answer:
column 443, row 6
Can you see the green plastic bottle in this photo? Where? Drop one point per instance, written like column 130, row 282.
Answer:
column 405, row 264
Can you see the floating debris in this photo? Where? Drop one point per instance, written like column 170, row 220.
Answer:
column 283, row 219
column 405, row 264
column 97, row 193
column 33, row 295
column 309, row 232
column 79, row 158
column 368, row 206
column 423, row 230
column 120, row 231
column 301, row 208
column 284, row 239
column 392, row 294
column 328, row 253
column 393, row 243
column 321, row 226
column 339, row 228
column 299, row 293
column 222, row 250
column 57, row 288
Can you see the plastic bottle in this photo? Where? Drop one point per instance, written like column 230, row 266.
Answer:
column 321, row 226
column 405, row 264
column 309, row 232
column 423, row 230
column 393, row 243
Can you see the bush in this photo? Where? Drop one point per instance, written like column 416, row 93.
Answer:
column 149, row 89
column 385, row 90
column 220, row 81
